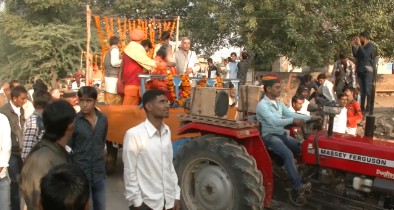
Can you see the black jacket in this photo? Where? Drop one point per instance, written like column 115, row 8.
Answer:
column 16, row 130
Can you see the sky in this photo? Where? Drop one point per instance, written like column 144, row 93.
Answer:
column 224, row 53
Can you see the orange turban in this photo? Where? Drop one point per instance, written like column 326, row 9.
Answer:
column 136, row 35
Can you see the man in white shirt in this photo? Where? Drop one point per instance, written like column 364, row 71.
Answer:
column 149, row 175
column 28, row 107
column 15, row 114
column 112, row 63
column 233, row 66
column 326, row 90
column 340, row 120
column 223, row 70
column 5, row 153
column 186, row 61
column 299, row 105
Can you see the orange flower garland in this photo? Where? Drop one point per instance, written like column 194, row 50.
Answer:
column 219, row 82
column 171, row 86
column 152, row 28
column 103, row 43
column 107, row 27
column 112, row 27
column 203, row 82
column 186, row 88
column 159, row 26
column 173, row 28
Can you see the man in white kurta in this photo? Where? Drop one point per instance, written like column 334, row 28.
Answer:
column 186, row 61
column 112, row 63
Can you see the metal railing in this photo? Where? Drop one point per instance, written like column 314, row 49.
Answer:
column 177, row 82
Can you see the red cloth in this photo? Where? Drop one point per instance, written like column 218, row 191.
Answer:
column 131, row 69
column 354, row 114
column 162, row 84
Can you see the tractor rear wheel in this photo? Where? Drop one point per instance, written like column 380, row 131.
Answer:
column 217, row 173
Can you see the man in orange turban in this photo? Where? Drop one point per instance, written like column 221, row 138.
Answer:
column 137, row 35
column 273, row 117
column 135, row 61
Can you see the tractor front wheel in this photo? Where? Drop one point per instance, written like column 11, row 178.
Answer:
column 217, row 173
column 111, row 158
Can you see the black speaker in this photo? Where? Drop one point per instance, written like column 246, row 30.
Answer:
column 221, row 103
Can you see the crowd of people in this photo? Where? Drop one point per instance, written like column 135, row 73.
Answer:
column 55, row 158
column 122, row 84
column 52, row 149
column 274, row 116
column 342, row 87
column 68, row 130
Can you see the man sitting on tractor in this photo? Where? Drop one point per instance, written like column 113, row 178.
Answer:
column 273, row 117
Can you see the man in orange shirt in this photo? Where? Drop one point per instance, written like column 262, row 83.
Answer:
column 354, row 113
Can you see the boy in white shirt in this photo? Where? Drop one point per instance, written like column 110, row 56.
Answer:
column 340, row 120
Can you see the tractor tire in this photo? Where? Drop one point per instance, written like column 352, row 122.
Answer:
column 217, row 173
column 111, row 158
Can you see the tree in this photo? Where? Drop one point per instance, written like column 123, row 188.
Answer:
column 40, row 38
column 209, row 24
column 312, row 32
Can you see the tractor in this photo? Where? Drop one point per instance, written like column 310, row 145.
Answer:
column 225, row 164
column 228, row 167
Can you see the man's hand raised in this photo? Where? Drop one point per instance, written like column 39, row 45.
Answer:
column 298, row 122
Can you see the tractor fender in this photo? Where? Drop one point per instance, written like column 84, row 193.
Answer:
column 249, row 138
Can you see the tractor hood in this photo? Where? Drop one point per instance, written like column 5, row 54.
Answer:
column 362, row 155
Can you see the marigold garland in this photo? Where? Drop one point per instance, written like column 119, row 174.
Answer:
column 219, row 82
column 152, row 29
column 203, row 82
column 173, row 28
column 111, row 28
column 171, row 86
column 159, row 26
column 185, row 89
column 103, row 43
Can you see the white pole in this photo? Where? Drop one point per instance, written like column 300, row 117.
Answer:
column 88, row 19
column 177, row 33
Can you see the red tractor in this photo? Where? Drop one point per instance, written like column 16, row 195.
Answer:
column 229, row 168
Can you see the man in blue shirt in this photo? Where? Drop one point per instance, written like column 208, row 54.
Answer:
column 364, row 51
column 273, row 117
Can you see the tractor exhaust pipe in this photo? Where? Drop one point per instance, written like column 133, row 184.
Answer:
column 370, row 119
column 330, row 125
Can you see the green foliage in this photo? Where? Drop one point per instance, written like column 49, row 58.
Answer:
column 45, row 38
column 39, row 49
column 209, row 24
column 313, row 32
column 41, row 36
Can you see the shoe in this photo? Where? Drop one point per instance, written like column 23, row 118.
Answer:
column 305, row 189
column 299, row 197
column 296, row 199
